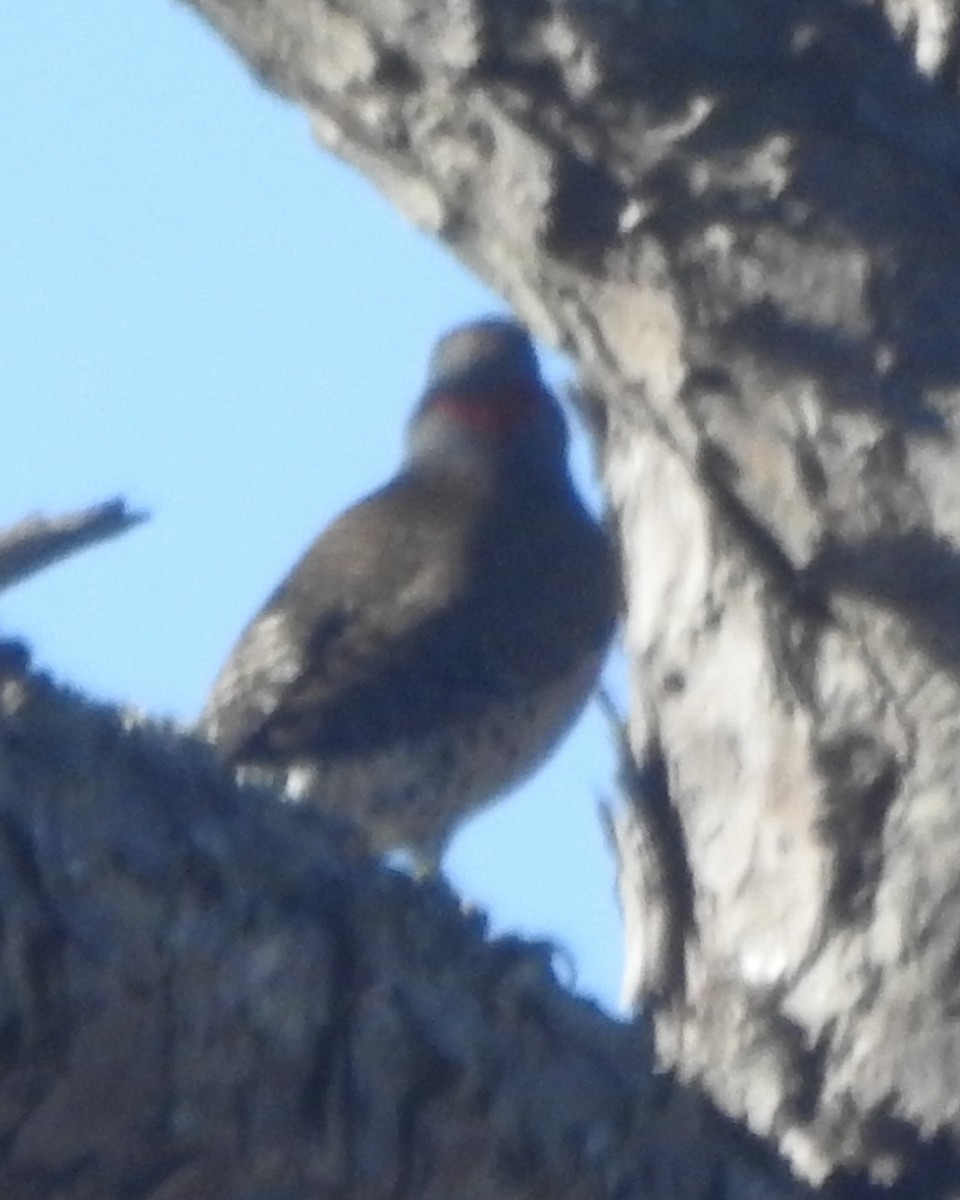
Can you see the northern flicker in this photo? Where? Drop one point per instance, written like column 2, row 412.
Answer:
column 437, row 640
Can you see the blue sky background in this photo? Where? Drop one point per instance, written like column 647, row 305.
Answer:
column 202, row 312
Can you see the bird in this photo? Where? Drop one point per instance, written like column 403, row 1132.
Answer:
column 438, row 639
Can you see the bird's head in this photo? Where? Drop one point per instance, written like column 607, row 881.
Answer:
column 485, row 406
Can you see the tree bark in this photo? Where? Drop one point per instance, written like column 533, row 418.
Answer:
column 202, row 997
column 741, row 219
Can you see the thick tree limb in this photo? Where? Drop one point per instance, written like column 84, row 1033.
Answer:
column 37, row 542
column 199, row 999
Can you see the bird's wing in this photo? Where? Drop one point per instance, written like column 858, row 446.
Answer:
column 356, row 637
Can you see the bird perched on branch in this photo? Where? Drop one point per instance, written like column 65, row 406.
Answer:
column 436, row 641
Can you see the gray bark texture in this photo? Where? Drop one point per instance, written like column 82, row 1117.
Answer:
column 205, row 996
column 741, row 219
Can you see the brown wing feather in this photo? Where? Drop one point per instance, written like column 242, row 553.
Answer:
column 384, row 571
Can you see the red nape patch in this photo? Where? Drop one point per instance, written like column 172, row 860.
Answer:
column 497, row 415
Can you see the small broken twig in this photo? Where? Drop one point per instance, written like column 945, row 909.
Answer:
column 37, row 541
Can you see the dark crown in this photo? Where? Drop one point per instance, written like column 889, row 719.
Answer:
column 491, row 353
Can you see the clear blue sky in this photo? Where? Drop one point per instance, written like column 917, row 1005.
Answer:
column 202, row 312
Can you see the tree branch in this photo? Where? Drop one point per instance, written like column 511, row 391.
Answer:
column 37, row 542
column 199, row 998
